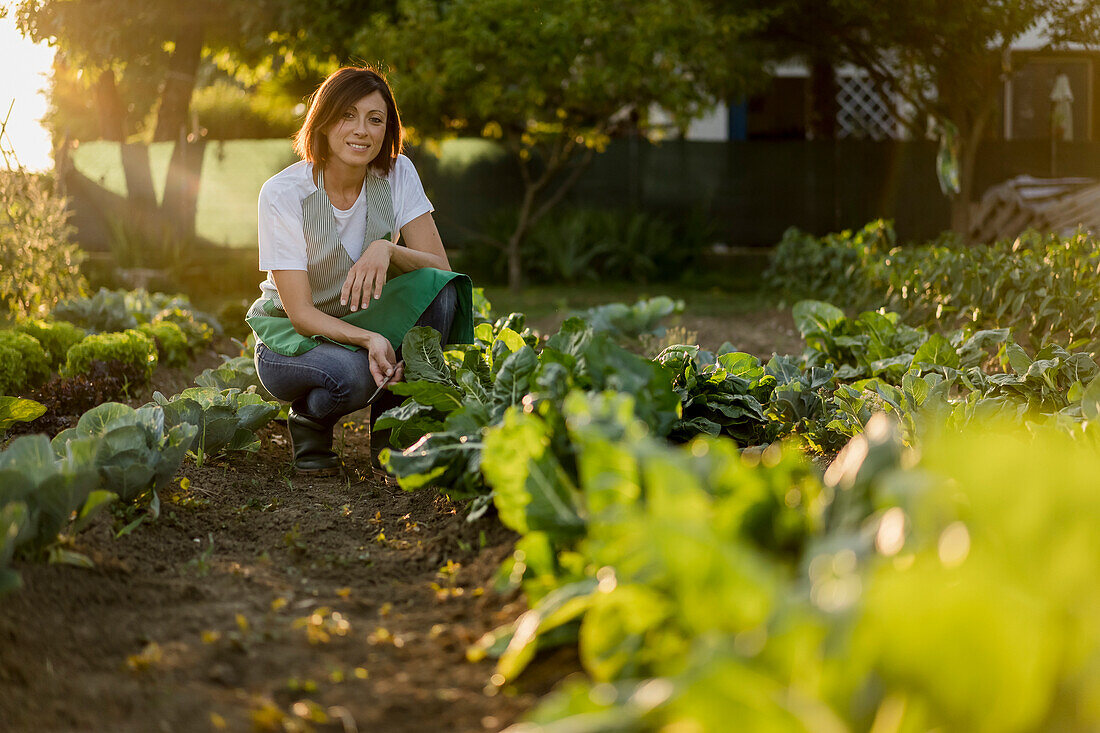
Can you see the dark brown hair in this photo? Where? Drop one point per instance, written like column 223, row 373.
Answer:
column 342, row 89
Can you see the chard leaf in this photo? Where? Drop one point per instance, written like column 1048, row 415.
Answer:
column 814, row 316
column 530, row 488
column 442, row 397
column 742, row 365
column 937, row 350
column 1018, row 358
column 558, row 608
column 572, row 338
column 514, row 378
column 783, row 368
column 408, row 422
column 423, row 356
column 1090, row 400
column 15, row 409
column 452, row 457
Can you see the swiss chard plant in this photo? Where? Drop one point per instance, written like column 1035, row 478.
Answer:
column 452, row 396
column 14, row 409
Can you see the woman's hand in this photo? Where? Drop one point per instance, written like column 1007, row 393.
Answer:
column 367, row 275
column 383, row 362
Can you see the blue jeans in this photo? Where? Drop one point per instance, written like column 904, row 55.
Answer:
column 330, row 381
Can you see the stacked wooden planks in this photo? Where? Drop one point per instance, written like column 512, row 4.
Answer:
column 1059, row 205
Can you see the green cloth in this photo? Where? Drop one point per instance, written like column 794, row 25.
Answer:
column 404, row 299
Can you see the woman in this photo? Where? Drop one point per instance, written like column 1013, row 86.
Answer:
column 354, row 260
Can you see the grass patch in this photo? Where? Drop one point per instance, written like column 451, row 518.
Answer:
column 232, row 173
column 544, row 301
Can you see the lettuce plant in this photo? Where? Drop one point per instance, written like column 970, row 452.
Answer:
column 131, row 347
column 23, row 362
column 56, row 337
column 172, row 346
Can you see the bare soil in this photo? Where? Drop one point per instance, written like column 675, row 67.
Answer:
column 264, row 600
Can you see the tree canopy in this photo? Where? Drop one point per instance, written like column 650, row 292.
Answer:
column 554, row 82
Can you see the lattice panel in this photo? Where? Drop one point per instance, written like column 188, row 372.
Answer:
column 862, row 110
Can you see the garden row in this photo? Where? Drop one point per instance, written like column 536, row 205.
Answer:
column 1045, row 287
column 707, row 582
column 51, row 489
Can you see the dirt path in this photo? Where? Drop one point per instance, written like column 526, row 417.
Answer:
column 260, row 598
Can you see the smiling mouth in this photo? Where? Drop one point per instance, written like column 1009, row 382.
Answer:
column 360, row 148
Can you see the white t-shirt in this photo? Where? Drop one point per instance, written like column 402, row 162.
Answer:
column 282, row 241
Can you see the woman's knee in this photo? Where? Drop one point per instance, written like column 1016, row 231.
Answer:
column 440, row 313
column 343, row 374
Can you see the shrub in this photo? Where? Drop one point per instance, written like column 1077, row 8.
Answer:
column 39, row 264
column 131, row 347
column 23, row 362
column 172, row 347
column 229, row 112
column 838, row 268
column 577, row 245
column 56, row 337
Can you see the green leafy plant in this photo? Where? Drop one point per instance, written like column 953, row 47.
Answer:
column 225, row 420
column 14, row 409
column 56, row 337
column 237, row 372
column 627, row 322
column 23, row 362
column 53, row 489
column 39, row 262
column 134, row 452
column 131, row 347
column 198, row 329
column 172, row 347
column 454, row 395
column 104, row 312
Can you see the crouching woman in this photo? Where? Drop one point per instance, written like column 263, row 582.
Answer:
column 353, row 261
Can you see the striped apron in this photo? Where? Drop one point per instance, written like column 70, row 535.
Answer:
column 403, row 298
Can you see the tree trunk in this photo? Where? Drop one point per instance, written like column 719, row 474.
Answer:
column 112, row 121
column 515, row 241
column 821, row 105
column 181, row 188
column 142, row 201
column 175, row 98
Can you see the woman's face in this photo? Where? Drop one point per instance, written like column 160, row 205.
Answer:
column 355, row 139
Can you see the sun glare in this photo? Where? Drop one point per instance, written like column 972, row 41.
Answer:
column 23, row 80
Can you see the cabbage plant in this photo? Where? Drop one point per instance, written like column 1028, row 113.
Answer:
column 224, row 419
column 52, row 487
column 134, row 453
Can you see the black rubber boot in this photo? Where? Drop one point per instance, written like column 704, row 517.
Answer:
column 311, row 443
